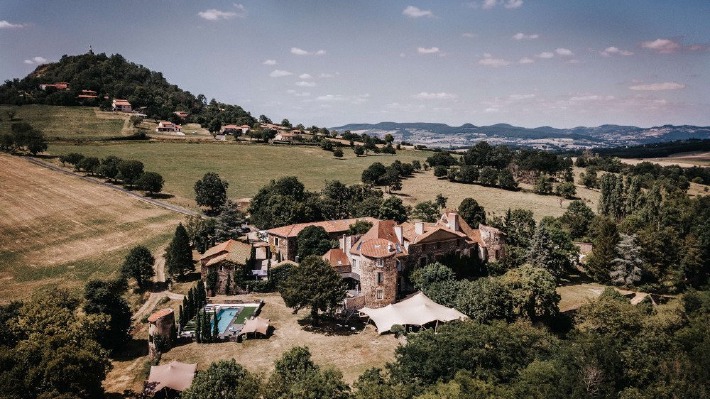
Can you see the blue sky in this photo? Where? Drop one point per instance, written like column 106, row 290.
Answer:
column 528, row 63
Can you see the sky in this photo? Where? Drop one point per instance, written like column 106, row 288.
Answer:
column 562, row 63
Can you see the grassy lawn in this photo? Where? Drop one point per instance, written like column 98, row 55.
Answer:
column 425, row 186
column 85, row 123
column 246, row 167
column 60, row 230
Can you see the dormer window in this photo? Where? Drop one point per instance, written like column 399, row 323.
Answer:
column 380, row 262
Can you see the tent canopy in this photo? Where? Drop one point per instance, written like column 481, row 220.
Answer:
column 174, row 375
column 256, row 324
column 416, row 310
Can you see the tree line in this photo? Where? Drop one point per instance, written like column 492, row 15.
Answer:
column 129, row 172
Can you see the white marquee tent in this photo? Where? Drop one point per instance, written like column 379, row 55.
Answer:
column 174, row 375
column 416, row 310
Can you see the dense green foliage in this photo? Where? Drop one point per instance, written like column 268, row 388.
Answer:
column 23, row 137
column 312, row 240
column 54, row 351
column 178, row 255
column 313, row 284
column 139, row 265
column 114, row 77
column 211, row 191
column 224, row 379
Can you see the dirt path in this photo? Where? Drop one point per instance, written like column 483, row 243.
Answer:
column 153, row 201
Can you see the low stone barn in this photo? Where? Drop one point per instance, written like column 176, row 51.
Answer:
column 223, row 260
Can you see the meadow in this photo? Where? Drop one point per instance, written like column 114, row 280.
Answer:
column 57, row 229
column 73, row 123
column 247, row 167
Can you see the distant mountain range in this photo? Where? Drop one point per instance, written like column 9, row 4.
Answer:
column 545, row 137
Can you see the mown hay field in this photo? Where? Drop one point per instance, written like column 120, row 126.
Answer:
column 247, row 167
column 57, row 229
column 74, row 123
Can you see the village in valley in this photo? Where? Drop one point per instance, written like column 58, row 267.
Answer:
column 156, row 243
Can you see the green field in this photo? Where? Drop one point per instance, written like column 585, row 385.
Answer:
column 246, row 167
column 85, row 123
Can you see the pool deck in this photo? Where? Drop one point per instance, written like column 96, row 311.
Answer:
column 235, row 325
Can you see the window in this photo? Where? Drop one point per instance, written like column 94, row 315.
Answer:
column 399, row 265
column 380, row 278
column 380, row 262
column 276, row 241
column 380, row 294
column 354, row 262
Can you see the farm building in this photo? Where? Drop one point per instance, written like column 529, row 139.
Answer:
column 224, row 260
column 168, row 127
column 121, row 105
column 161, row 326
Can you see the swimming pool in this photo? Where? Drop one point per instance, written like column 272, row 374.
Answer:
column 225, row 317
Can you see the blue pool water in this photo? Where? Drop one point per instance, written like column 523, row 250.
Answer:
column 225, row 317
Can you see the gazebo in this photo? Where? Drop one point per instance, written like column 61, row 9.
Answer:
column 417, row 310
column 174, row 375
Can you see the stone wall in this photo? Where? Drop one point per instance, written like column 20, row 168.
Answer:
column 160, row 328
column 286, row 247
column 369, row 285
column 225, row 270
column 432, row 251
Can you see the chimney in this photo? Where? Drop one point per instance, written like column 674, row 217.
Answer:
column 419, row 228
column 453, row 219
column 398, row 233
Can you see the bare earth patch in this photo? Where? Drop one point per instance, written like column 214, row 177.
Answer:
column 352, row 354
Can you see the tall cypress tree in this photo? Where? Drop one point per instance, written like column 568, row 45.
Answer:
column 215, row 327
column 606, row 237
column 178, row 256
column 198, row 329
column 191, row 303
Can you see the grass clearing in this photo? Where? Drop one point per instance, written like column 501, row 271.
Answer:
column 57, row 229
column 425, row 186
column 247, row 167
column 84, row 123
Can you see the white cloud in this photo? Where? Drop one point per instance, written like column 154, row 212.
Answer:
column 546, row 54
column 327, row 75
column 488, row 60
column 278, row 73
column 298, row 94
column 592, row 97
column 565, row 52
column 512, row 4
column 518, row 97
column 305, row 84
column 523, row 36
column 8, row 25
column 663, row 46
column 469, row 35
column 214, row 14
column 609, row 51
column 526, row 60
column 434, row 96
column 269, row 62
column 489, row 4
column 333, row 98
column 305, row 76
column 424, row 50
column 300, row 51
column 36, row 61
column 415, row 12
column 491, row 110
column 658, row 86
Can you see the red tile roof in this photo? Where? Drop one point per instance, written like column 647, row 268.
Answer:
column 159, row 314
column 336, row 257
column 378, row 248
column 330, row 226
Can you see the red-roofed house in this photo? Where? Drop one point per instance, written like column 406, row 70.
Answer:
column 121, row 105
column 379, row 259
column 224, row 259
column 57, row 86
column 283, row 239
column 168, row 127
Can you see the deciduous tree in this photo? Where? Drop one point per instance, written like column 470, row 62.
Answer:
column 313, row 284
column 211, row 191
column 139, row 265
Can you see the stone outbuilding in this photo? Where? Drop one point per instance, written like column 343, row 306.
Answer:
column 224, row 259
column 161, row 331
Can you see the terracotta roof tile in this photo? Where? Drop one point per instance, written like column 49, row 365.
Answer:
column 159, row 314
column 378, row 248
column 336, row 257
column 330, row 226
